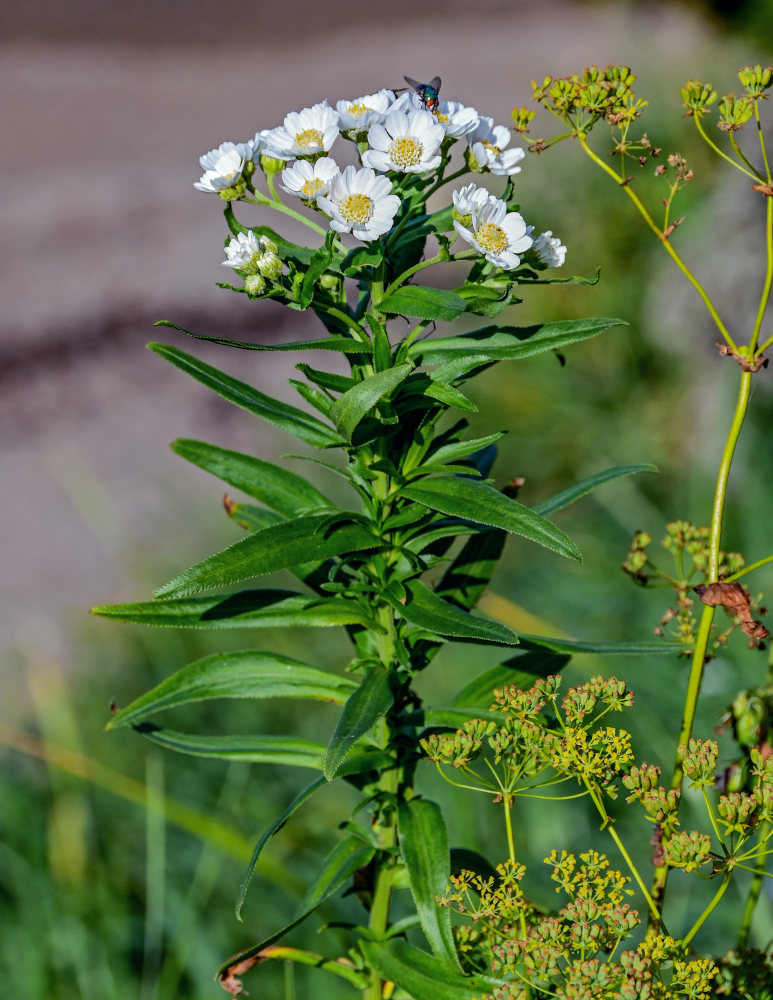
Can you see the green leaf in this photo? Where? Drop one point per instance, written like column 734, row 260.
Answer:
column 296, row 422
column 248, row 516
column 520, row 670
column 320, row 261
column 249, row 749
column 424, row 608
column 279, row 546
column 247, row 609
column 341, row 864
column 421, row 975
column 344, row 345
column 643, row 648
column 423, row 842
column 274, row 486
column 303, row 796
column 451, row 717
column 349, row 861
column 248, row 674
column 510, row 343
column 423, row 302
column 567, row 496
column 459, row 449
column 479, row 502
column 349, row 409
column 372, row 699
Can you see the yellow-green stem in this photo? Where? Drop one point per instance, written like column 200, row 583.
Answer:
column 744, row 929
column 708, row 911
column 663, row 239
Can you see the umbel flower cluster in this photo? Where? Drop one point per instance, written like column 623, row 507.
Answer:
column 401, row 148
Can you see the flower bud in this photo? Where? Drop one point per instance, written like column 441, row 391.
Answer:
column 755, row 80
column 255, row 284
column 271, row 165
column 270, row 266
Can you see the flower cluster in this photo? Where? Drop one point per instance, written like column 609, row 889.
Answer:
column 536, row 735
column 403, row 147
column 568, row 954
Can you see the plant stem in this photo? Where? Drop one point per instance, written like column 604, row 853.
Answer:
column 507, row 799
column 708, row 911
column 707, row 617
column 278, row 205
column 663, row 239
column 744, row 928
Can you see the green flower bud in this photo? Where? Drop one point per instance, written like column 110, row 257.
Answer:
column 755, row 80
column 271, row 165
column 734, row 112
column 255, row 284
column 696, row 97
column 270, row 266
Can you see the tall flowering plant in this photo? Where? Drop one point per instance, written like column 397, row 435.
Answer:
column 359, row 177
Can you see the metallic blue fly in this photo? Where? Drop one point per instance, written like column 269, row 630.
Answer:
column 428, row 92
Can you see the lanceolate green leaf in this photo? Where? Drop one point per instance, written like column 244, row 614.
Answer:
column 431, row 613
column 372, row 699
column 646, row 647
column 421, row 975
column 296, row 422
column 249, row 749
column 274, row 486
column 567, row 496
column 520, row 671
column 510, row 343
column 355, row 403
column 423, row 842
column 349, row 860
column 279, row 546
column 423, row 302
column 250, row 516
column 344, row 345
column 303, row 796
column 248, row 674
column 247, row 609
column 479, row 502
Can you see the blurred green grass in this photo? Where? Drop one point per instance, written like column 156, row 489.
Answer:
column 108, row 890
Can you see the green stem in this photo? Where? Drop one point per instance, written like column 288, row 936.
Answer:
column 720, row 152
column 507, row 799
column 663, row 239
column 279, row 206
column 744, row 928
column 401, row 279
column 768, row 278
column 748, row 569
column 761, row 135
column 708, row 911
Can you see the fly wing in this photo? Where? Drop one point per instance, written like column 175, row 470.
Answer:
column 414, row 84
column 434, row 83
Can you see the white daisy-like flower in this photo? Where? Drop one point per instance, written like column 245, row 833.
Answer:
column 361, row 203
column 309, row 180
column 222, row 167
column 356, row 116
column 468, row 198
column 304, row 133
column 250, row 149
column 496, row 233
column 251, row 254
column 407, row 142
column 488, row 147
column 456, row 118
column 550, row 249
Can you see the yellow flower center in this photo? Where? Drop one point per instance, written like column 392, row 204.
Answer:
column 311, row 187
column 490, row 145
column 441, row 117
column 406, row 151
column 358, row 110
column 356, row 208
column 309, row 138
column 492, row 238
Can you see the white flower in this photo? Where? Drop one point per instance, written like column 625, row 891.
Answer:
column 356, row 116
column 496, row 233
column 222, row 167
column 360, row 203
column 487, row 145
column 309, row 180
column 468, row 198
column 455, row 117
column 408, row 141
column 250, row 254
column 304, row 133
column 549, row 249
column 249, row 150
